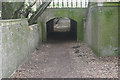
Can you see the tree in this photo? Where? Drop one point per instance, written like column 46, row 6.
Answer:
column 11, row 10
column 29, row 10
column 15, row 10
column 39, row 11
column 18, row 11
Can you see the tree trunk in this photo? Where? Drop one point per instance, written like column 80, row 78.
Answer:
column 16, row 14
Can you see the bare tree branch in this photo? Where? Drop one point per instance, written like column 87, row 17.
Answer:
column 39, row 11
column 27, row 11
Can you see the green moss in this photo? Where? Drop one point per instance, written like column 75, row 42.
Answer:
column 96, row 52
column 109, row 27
column 43, row 31
column 75, row 14
column 15, row 37
column 94, row 32
column 108, row 14
column 105, row 31
column 115, row 53
column 5, row 39
column 111, row 3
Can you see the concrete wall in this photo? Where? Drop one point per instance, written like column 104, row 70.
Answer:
column 101, row 31
column 18, row 42
column 0, row 9
column 77, row 14
column 0, row 53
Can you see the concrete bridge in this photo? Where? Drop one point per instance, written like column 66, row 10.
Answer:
column 97, row 26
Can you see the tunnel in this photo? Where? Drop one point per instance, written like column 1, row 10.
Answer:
column 61, row 29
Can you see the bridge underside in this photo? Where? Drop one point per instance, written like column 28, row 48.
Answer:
column 77, row 15
column 66, row 29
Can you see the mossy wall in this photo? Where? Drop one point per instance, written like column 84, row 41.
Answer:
column 18, row 42
column 119, row 29
column 77, row 14
column 0, row 53
column 109, row 31
column 104, row 30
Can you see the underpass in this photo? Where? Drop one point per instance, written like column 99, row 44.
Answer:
column 65, row 43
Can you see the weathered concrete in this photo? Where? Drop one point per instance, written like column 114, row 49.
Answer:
column 0, row 53
column 101, row 32
column 0, row 9
column 72, row 13
column 18, row 42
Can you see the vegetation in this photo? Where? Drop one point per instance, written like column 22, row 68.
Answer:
column 15, row 10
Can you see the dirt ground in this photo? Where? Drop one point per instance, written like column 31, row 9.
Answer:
column 67, row 59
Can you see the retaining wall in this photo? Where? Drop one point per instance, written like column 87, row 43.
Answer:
column 17, row 42
column 0, row 53
column 101, row 31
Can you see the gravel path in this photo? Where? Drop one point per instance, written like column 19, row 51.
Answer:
column 62, row 60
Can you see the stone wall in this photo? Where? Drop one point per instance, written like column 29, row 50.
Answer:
column 18, row 42
column 77, row 14
column 101, row 31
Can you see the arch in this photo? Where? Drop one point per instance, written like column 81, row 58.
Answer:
column 72, row 32
column 70, row 13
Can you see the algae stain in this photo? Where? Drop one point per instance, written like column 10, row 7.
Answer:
column 43, row 30
column 108, row 14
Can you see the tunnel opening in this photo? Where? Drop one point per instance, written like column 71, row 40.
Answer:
column 61, row 29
